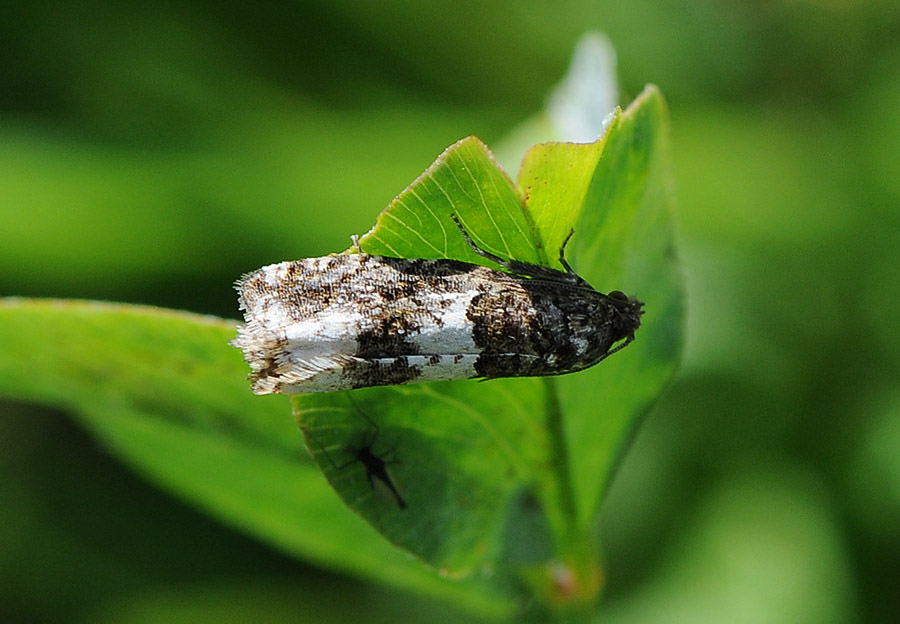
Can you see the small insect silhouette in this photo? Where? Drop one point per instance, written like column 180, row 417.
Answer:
column 374, row 464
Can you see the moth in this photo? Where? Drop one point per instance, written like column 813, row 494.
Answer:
column 355, row 320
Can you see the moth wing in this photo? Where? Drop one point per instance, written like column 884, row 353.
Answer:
column 318, row 373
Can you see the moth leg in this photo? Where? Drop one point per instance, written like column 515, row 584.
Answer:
column 562, row 254
column 526, row 269
column 516, row 267
column 481, row 252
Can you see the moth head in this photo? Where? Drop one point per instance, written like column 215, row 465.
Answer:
column 628, row 311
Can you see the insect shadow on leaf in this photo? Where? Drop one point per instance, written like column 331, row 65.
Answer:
column 375, row 464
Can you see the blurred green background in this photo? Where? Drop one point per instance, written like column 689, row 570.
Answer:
column 152, row 154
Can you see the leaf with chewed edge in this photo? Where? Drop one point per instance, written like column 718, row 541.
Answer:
column 481, row 463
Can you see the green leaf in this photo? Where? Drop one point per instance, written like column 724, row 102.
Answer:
column 466, row 181
column 165, row 391
column 508, row 475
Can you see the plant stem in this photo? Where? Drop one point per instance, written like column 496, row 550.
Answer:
column 573, row 580
column 559, row 456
